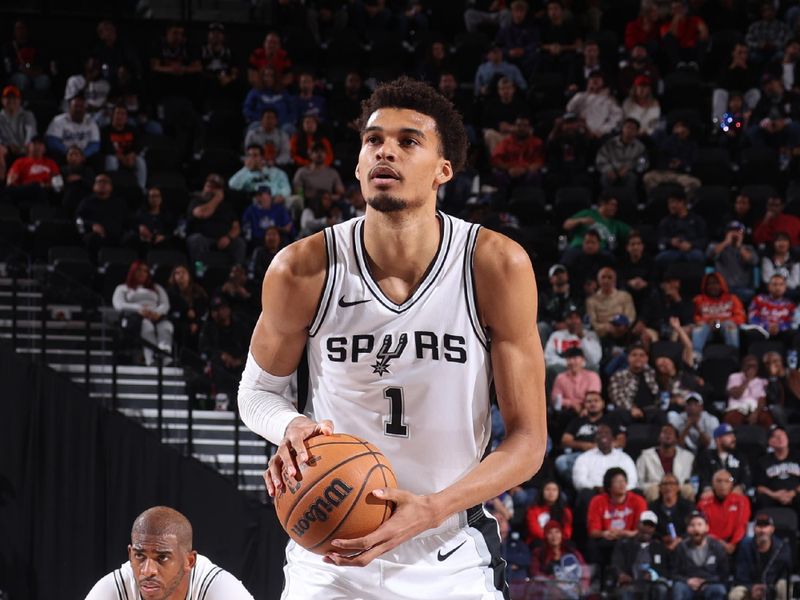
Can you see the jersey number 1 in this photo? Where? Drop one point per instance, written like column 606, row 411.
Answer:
column 395, row 426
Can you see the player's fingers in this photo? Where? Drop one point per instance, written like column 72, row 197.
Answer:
column 268, row 482
column 391, row 494
column 288, row 456
column 297, row 443
column 325, row 427
column 359, row 560
column 275, row 468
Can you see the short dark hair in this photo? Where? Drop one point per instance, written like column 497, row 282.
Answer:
column 634, row 121
column 408, row 93
column 254, row 147
column 592, row 233
column 609, row 477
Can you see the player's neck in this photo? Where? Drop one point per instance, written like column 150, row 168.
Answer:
column 400, row 247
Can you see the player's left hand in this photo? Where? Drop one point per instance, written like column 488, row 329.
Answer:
column 412, row 515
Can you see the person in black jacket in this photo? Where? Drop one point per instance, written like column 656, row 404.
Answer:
column 102, row 216
column 699, row 564
column 763, row 564
column 724, row 456
column 642, row 563
column 672, row 511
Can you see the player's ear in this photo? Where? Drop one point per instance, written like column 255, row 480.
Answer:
column 445, row 172
column 191, row 559
column 130, row 553
column 357, row 175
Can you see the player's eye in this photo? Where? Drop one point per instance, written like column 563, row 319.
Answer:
column 372, row 139
column 409, row 142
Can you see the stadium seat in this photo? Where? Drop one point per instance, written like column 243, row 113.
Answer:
column 69, row 265
column 656, row 207
column 683, row 90
column 127, row 188
column 672, row 350
column 222, row 161
column 713, row 167
column 113, row 265
column 160, row 153
column 751, row 441
column 12, row 230
column 760, row 348
column 527, row 203
column 759, row 166
column 712, row 202
column 758, row 194
column 163, row 261
column 470, row 49
column 628, row 203
column 217, row 269
column 640, row 436
column 174, row 190
column 568, row 201
column 716, row 367
column 49, row 232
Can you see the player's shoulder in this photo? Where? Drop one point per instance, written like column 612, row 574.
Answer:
column 301, row 259
column 498, row 254
column 113, row 586
column 212, row 582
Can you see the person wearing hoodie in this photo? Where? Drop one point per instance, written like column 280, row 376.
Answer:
column 597, row 107
column 716, row 308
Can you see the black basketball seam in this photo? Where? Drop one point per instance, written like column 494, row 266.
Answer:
column 385, row 484
column 343, row 520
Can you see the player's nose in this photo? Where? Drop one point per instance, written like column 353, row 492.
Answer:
column 149, row 568
column 386, row 151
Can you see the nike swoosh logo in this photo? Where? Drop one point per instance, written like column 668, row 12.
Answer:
column 344, row 303
column 442, row 557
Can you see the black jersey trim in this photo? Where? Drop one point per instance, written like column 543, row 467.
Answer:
column 487, row 526
column 209, row 579
column 469, row 287
column 330, row 281
column 428, row 278
column 119, row 581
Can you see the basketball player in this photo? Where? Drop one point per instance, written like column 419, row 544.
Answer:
column 163, row 566
column 406, row 317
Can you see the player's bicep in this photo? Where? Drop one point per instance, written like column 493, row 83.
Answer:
column 508, row 298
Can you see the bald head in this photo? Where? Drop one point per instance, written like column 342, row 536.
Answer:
column 164, row 521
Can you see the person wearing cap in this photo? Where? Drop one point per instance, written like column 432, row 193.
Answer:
column 555, row 302
column 695, row 425
column 574, row 335
column 212, row 224
column 700, row 565
column 92, row 85
column 715, row 308
column 653, row 463
column 613, row 515
column 642, row 106
column 676, row 154
column 672, row 510
column 73, row 128
column 735, row 260
column 727, row 511
column 256, row 173
column 777, row 475
column 219, row 66
column 596, row 106
column 495, row 67
column 763, row 564
column 580, row 432
column 264, row 213
column 607, row 302
column 773, row 312
column 602, row 220
column 17, row 125
column 641, row 563
column 739, row 75
column 635, row 389
column 775, row 221
column 558, row 568
column 723, row 456
column 570, row 386
column 622, row 158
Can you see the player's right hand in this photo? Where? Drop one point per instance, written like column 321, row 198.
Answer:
column 292, row 451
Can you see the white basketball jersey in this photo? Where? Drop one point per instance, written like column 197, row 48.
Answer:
column 411, row 378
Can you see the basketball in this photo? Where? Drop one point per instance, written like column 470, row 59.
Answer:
column 331, row 496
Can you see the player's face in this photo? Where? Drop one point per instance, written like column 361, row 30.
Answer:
column 400, row 164
column 161, row 566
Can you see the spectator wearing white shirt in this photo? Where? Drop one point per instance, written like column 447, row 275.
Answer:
column 93, row 87
column 596, row 106
column 73, row 128
column 573, row 336
column 591, row 465
column 695, row 426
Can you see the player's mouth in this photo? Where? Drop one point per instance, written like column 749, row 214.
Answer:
column 149, row 586
column 383, row 175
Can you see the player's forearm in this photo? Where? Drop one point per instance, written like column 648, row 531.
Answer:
column 512, row 463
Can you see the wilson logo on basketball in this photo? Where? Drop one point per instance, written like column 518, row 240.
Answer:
column 331, row 497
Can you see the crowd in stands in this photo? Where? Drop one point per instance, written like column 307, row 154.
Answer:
column 647, row 155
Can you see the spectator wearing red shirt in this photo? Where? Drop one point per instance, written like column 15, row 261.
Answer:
column 270, row 55
column 308, row 136
column 549, row 507
column 727, row 511
column 644, row 29
column 32, row 176
column 683, row 37
column 776, row 221
column 612, row 515
column 518, row 157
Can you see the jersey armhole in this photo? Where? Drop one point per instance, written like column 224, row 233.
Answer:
column 330, row 279
column 469, row 286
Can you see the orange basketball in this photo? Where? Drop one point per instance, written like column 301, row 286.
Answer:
column 330, row 498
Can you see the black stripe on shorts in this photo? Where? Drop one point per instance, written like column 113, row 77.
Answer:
column 487, row 526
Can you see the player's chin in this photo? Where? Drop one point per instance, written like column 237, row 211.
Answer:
column 151, row 591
